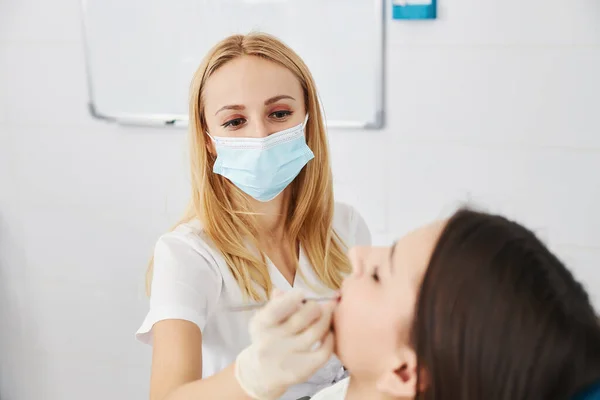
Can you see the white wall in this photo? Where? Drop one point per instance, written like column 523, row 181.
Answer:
column 496, row 102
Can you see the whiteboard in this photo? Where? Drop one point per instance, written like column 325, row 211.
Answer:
column 141, row 54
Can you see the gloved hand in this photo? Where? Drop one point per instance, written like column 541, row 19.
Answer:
column 290, row 342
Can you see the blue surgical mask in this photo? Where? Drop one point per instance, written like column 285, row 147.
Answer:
column 263, row 167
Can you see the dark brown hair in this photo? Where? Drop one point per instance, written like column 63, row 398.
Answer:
column 500, row 317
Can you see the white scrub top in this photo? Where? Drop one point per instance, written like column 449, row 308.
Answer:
column 335, row 392
column 192, row 282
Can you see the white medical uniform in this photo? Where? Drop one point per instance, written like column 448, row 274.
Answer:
column 335, row 392
column 192, row 282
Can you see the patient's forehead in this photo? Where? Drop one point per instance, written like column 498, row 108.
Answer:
column 413, row 251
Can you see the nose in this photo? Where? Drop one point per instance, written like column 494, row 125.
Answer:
column 356, row 256
column 348, row 281
column 260, row 128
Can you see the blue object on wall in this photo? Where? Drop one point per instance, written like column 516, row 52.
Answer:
column 411, row 11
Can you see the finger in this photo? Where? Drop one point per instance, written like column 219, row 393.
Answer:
column 328, row 344
column 312, row 361
column 280, row 308
column 333, row 306
column 321, row 355
column 307, row 339
column 302, row 319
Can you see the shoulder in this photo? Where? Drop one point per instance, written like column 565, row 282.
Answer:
column 335, row 392
column 186, row 244
column 186, row 235
column 345, row 216
column 349, row 224
column 186, row 281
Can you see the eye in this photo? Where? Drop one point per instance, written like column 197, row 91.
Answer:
column 281, row 114
column 375, row 274
column 234, row 123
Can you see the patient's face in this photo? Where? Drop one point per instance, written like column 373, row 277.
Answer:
column 374, row 318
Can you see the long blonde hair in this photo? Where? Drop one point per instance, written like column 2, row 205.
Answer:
column 225, row 211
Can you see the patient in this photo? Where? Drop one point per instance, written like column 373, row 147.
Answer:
column 471, row 308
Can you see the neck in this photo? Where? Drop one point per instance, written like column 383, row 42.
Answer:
column 366, row 389
column 271, row 216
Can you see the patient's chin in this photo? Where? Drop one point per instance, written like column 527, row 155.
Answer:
column 341, row 326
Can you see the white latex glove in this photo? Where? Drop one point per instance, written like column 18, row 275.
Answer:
column 290, row 342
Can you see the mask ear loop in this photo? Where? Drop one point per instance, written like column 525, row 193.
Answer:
column 304, row 128
column 211, row 137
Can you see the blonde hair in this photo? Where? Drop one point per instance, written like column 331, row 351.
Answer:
column 225, row 211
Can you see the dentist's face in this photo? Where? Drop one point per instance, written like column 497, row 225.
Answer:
column 252, row 97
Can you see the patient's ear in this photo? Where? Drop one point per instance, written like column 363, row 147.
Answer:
column 400, row 379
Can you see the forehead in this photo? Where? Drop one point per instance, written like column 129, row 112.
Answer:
column 413, row 251
column 249, row 80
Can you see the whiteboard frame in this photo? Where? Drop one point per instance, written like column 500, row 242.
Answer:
column 181, row 120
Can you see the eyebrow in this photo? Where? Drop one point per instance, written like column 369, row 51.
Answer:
column 392, row 255
column 270, row 101
column 277, row 98
column 230, row 107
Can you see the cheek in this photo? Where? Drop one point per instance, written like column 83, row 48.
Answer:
column 362, row 328
column 405, row 313
column 350, row 310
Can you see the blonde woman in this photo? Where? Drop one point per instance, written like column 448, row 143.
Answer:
column 262, row 219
